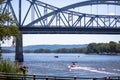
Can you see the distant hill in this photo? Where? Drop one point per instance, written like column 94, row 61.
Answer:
column 51, row 47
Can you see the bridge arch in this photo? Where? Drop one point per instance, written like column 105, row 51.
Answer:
column 80, row 4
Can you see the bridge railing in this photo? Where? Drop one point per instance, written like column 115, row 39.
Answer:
column 10, row 76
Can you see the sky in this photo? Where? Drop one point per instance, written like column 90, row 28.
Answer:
column 38, row 39
column 45, row 39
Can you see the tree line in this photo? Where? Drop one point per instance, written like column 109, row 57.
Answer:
column 108, row 48
column 96, row 48
column 61, row 50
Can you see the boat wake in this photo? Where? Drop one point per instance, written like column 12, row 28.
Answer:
column 89, row 69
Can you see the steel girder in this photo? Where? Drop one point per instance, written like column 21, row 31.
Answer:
column 39, row 8
column 65, row 17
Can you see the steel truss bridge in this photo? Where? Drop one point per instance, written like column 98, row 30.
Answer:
column 42, row 18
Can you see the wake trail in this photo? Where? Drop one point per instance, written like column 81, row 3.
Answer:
column 91, row 70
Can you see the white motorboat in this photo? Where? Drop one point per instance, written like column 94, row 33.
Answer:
column 73, row 66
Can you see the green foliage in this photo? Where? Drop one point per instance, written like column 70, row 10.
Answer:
column 8, row 66
column 111, row 47
column 5, row 18
column 7, row 32
column 42, row 51
column 1, row 1
column 8, row 26
column 103, row 47
column 118, row 48
column 93, row 48
column 61, row 50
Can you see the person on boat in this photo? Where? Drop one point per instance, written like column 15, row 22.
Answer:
column 73, row 64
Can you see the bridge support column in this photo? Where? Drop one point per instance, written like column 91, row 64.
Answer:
column 19, row 49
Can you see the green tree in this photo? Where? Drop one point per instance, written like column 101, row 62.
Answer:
column 118, row 48
column 118, row 41
column 103, row 47
column 92, row 48
column 61, row 50
column 112, row 46
column 42, row 51
column 7, row 31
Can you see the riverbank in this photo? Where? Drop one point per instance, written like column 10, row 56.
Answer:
column 109, row 54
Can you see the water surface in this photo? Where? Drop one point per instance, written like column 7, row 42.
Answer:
column 90, row 65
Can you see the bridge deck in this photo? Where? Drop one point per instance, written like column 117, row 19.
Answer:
column 68, row 30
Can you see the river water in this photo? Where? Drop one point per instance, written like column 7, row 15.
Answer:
column 89, row 65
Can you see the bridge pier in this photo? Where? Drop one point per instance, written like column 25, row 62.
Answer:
column 19, row 49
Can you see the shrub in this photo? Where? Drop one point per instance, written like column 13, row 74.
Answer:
column 8, row 66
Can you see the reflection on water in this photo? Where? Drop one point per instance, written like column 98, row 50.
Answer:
column 89, row 65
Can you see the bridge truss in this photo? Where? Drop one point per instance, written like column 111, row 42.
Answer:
column 46, row 18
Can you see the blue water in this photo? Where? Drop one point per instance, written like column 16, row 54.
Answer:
column 90, row 65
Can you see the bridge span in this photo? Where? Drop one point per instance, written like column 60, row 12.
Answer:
column 68, row 30
column 49, row 19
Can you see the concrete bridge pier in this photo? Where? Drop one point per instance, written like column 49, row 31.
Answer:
column 19, row 49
